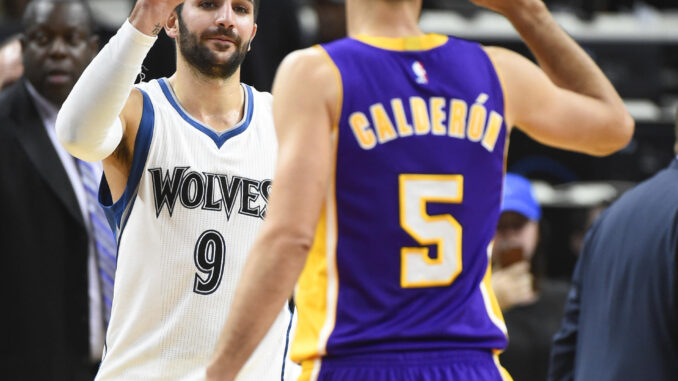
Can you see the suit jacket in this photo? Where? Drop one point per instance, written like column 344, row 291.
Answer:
column 621, row 316
column 44, row 251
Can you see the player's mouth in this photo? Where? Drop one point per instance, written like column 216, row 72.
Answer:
column 222, row 39
column 58, row 77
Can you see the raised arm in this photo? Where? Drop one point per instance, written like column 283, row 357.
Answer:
column 304, row 106
column 102, row 108
column 568, row 103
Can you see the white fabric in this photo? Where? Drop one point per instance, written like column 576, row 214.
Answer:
column 48, row 114
column 88, row 124
column 160, row 327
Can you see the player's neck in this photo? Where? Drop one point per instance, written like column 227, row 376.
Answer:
column 383, row 18
column 217, row 103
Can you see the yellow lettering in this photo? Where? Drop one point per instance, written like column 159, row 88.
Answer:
column 361, row 129
column 438, row 115
column 422, row 124
column 382, row 123
column 404, row 129
column 492, row 131
column 476, row 123
column 457, row 119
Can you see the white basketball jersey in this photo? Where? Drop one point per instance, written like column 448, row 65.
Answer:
column 194, row 202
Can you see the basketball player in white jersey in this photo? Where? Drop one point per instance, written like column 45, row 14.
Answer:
column 188, row 163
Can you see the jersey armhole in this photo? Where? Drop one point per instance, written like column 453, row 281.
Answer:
column 502, row 85
column 117, row 212
column 340, row 85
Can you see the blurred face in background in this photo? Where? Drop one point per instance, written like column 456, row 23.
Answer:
column 516, row 238
column 215, row 35
column 11, row 67
column 58, row 44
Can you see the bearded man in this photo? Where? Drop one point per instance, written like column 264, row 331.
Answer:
column 188, row 162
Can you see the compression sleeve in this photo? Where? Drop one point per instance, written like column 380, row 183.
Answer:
column 88, row 124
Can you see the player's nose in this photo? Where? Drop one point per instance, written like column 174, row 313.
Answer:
column 224, row 16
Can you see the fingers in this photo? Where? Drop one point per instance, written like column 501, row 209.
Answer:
column 521, row 267
column 513, row 285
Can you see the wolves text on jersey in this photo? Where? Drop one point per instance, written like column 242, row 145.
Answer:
column 199, row 189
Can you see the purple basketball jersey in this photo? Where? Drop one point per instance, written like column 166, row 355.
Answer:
column 400, row 260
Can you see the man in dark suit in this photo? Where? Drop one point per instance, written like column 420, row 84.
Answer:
column 48, row 281
column 621, row 316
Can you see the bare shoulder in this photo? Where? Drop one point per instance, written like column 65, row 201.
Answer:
column 310, row 76
column 312, row 63
column 496, row 52
column 525, row 85
column 508, row 61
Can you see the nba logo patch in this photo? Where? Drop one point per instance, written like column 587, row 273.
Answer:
column 420, row 73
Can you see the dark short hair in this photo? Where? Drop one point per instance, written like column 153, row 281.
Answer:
column 26, row 20
column 255, row 3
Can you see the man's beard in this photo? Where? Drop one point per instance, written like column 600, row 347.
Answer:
column 203, row 59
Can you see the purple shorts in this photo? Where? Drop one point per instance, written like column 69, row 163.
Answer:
column 449, row 365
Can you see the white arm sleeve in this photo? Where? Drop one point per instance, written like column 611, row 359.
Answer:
column 88, row 125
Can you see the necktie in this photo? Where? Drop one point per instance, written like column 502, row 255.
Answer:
column 101, row 234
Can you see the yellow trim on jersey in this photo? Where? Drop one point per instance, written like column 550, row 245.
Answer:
column 311, row 297
column 317, row 288
column 310, row 369
column 410, row 43
column 494, row 312
column 340, row 83
column 491, row 303
column 503, row 89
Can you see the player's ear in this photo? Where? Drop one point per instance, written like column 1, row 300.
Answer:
column 172, row 24
column 254, row 33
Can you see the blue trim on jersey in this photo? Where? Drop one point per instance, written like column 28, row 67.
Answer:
column 218, row 138
column 115, row 212
column 287, row 345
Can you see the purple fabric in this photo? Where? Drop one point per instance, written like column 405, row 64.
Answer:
column 413, row 366
column 374, row 314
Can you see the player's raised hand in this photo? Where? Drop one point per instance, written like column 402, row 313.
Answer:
column 508, row 7
column 150, row 16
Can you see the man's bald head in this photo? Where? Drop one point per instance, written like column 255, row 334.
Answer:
column 29, row 15
column 58, row 43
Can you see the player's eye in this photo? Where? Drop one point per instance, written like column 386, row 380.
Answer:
column 241, row 9
column 207, row 4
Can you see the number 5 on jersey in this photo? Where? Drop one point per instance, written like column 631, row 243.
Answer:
column 418, row 269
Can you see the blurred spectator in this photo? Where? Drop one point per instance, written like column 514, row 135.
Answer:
column 621, row 316
column 11, row 67
column 10, row 18
column 54, row 321
column 532, row 304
